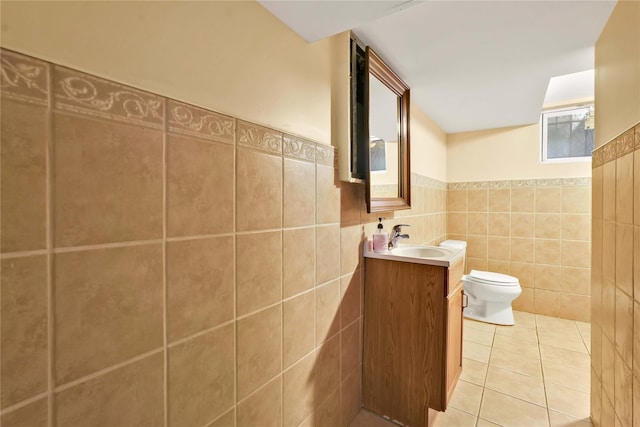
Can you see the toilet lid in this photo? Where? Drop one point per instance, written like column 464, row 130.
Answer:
column 491, row 278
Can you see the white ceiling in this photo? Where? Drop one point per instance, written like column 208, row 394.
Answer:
column 471, row 65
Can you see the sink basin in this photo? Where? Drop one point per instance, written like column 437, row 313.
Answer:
column 420, row 252
column 417, row 254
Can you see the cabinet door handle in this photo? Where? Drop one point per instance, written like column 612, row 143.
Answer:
column 465, row 300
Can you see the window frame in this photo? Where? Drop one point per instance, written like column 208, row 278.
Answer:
column 554, row 112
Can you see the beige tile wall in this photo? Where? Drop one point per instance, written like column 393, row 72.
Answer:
column 166, row 265
column 161, row 264
column 425, row 221
column 537, row 230
column 615, row 277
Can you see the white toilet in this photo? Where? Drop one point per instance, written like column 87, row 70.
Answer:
column 490, row 294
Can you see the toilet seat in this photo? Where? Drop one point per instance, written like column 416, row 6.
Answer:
column 491, row 278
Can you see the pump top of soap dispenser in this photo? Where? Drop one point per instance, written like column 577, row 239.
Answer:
column 380, row 226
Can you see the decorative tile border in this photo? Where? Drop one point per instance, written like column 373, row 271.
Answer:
column 425, row 181
column 623, row 144
column 576, row 182
column 556, row 182
column 597, row 158
column 457, row 185
column 523, row 183
column 84, row 94
column 186, row 119
column 23, row 78
column 478, row 185
column 500, row 184
column 298, row 148
column 325, row 155
column 385, row 190
column 553, row 182
column 258, row 137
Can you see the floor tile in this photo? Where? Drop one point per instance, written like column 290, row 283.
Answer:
column 538, row 374
column 517, row 345
column 562, row 420
column 369, row 419
column 518, row 332
column 560, row 358
column 474, row 324
column 516, row 385
column 473, row 372
column 567, row 377
column 467, row 397
column 568, row 401
column 485, row 423
column 562, row 338
column 454, row 417
column 510, row 411
column 479, row 336
column 477, row 352
column 515, row 362
column 553, row 323
column 584, row 328
column 585, row 332
column 525, row 320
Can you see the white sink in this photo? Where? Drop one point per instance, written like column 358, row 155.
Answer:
column 417, row 254
column 420, row 252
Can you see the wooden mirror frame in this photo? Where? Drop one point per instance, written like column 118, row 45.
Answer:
column 376, row 66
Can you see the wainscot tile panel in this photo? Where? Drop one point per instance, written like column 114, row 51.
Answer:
column 109, row 308
column 615, row 255
column 190, row 268
column 200, row 181
column 201, row 377
column 23, row 168
column 107, row 182
column 34, row 414
column 131, row 395
column 24, row 325
column 535, row 230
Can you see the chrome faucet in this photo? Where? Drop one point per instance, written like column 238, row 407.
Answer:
column 395, row 235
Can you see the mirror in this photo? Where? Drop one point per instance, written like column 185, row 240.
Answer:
column 387, row 165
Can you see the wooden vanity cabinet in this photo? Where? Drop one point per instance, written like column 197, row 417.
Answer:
column 454, row 318
column 412, row 338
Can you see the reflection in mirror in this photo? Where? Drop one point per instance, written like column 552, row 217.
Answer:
column 387, row 163
column 383, row 135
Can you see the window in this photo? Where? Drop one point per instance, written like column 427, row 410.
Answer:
column 378, row 155
column 567, row 134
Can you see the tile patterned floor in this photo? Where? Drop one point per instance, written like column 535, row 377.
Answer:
column 535, row 373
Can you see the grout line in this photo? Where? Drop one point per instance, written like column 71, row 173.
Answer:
column 257, row 390
column 235, row 273
column 49, row 233
column 199, row 334
column 26, row 402
column 23, row 254
column 544, row 381
column 165, row 266
column 219, row 417
column 198, row 237
column 107, row 370
column 261, row 309
column 107, row 246
column 282, row 205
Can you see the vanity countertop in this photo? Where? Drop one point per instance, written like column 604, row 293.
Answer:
column 417, row 254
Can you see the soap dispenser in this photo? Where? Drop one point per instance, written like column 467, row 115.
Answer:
column 380, row 238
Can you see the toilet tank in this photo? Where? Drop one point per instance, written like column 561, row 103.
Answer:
column 454, row 244
column 457, row 244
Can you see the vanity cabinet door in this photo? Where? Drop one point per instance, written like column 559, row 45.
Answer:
column 453, row 367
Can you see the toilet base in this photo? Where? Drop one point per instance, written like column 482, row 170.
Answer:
column 496, row 313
